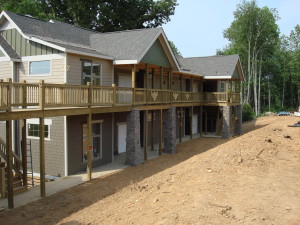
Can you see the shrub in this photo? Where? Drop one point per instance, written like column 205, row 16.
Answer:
column 248, row 113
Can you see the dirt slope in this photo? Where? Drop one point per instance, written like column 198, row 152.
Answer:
column 252, row 179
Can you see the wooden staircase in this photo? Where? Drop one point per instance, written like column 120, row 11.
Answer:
column 18, row 185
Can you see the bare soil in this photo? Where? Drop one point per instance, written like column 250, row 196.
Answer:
column 251, row 179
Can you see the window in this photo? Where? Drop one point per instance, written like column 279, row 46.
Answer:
column 222, row 86
column 40, row 68
column 33, row 128
column 34, row 131
column 91, row 73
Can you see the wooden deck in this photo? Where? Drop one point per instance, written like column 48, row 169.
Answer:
column 24, row 100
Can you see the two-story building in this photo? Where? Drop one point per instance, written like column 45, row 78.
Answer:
column 94, row 96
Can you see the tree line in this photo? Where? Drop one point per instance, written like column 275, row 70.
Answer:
column 271, row 61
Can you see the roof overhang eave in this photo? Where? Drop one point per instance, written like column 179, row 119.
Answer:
column 125, row 61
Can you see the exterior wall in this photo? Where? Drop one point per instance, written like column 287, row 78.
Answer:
column 75, row 141
column 156, row 55
column 54, row 149
column 6, row 70
column 3, row 130
column 1, row 54
column 74, row 70
column 57, row 71
column 24, row 47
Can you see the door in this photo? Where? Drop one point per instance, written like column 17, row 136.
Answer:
column 195, row 123
column 96, row 138
column 195, row 87
column 122, row 133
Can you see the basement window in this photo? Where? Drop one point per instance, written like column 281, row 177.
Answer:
column 33, row 129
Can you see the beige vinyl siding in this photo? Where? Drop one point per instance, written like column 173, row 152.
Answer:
column 56, row 77
column 74, row 74
column 6, row 70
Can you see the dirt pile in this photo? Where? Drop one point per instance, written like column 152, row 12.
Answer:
column 252, row 179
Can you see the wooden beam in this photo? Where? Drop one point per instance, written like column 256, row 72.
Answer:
column 206, row 121
column 90, row 146
column 152, row 130
column 161, row 131
column 146, row 135
column 191, row 126
column 133, row 75
column 41, row 95
column 42, row 158
column 180, row 125
column 147, row 75
column 9, row 163
column 24, row 138
column 200, row 121
column 24, row 151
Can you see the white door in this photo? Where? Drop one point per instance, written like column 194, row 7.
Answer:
column 195, row 87
column 122, row 133
column 125, row 81
column 195, row 123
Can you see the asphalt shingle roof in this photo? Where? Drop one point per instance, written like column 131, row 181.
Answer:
column 127, row 45
column 211, row 65
column 8, row 49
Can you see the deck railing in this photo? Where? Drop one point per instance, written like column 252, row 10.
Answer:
column 61, row 95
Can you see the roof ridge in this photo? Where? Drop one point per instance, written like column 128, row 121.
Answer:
column 139, row 29
column 198, row 57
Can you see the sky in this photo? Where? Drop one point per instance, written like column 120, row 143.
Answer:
column 197, row 26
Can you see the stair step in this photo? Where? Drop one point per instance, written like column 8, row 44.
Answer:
column 18, row 190
column 16, row 183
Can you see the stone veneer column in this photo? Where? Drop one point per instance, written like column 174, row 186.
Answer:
column 133, row 142
column 238, row 126
column 170, row 131
column 226, row 133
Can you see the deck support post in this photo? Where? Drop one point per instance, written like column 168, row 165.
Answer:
column 191, row 125
column 42, row 139
column 90, row 146
column 133, row 76
column 206, row 121
column 160, row 131
column 24, row 138
column 133, row 143
column 200, row 120
column 9, row 173
column 226, row 130
column 170, row 131
column 42, row 158
column 146, row 135
column 180, row 125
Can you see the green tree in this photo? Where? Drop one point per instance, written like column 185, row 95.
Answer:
column 100, row 15
column 254, row 35
column 174, row 48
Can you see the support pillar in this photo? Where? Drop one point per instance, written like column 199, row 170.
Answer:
column 226, row 132
column 133, row 142
column 170, row 131
column 238, row 124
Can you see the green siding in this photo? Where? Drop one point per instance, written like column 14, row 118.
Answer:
column 1, row 54
column 24, row 47
column 236, row 74
column 156, row 56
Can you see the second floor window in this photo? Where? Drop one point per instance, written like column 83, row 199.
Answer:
column 91, row 72
column 40, row 67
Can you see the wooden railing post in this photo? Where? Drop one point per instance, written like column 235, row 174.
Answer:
column 41, row 95
column 24, row 140
column 114, row 95
column 227, row 90
column 2, row 182
column 89, row 94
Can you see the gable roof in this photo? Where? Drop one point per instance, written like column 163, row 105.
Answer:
column 124, row 46
column 7, row 49
column 213, row 67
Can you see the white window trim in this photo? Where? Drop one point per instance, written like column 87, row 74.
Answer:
column 47, row 122
column 39, row 75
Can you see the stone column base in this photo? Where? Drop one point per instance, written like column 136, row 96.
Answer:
column 170, row 131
